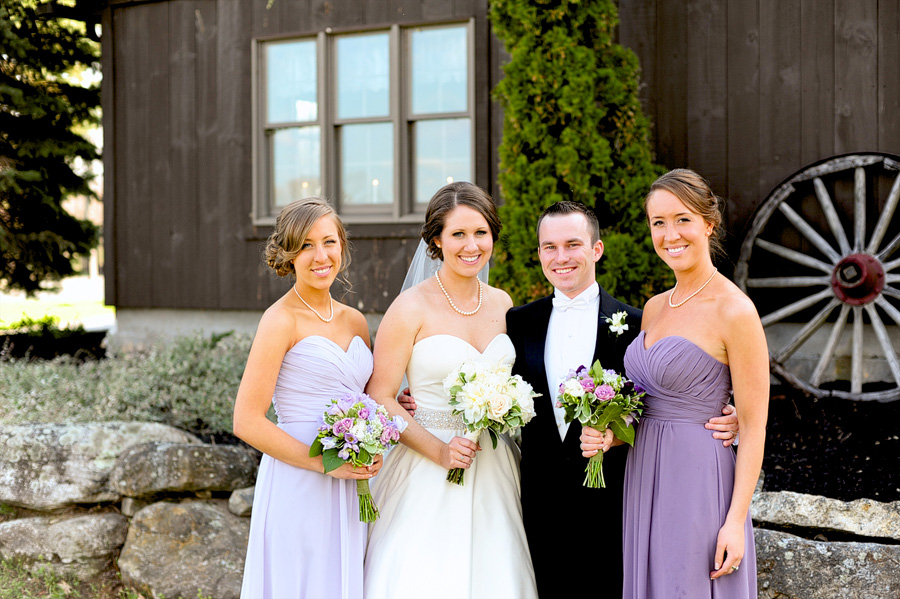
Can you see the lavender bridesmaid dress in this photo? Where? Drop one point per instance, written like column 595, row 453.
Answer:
column 306, row 539
column 678, row 479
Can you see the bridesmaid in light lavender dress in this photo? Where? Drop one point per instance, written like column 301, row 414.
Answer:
column 306, row 539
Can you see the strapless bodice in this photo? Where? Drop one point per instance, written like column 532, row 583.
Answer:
column 683, row 382
column 316, row 370
column 434, row 357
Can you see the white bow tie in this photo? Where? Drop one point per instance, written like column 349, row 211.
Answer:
column 563, row 303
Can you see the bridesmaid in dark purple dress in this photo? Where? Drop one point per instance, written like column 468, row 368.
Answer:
column 687, row 530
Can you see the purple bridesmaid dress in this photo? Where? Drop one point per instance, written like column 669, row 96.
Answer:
column 678, row 479
column 306, row 539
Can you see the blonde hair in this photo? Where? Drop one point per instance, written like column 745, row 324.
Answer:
column 292, row 227
column 695, row 193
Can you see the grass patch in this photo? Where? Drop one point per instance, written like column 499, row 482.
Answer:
column 16, row 582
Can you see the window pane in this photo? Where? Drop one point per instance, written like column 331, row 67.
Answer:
column 363, row 76
column 367, row 164
column 291, row 82
column 296, row 164
column 443, row 155
column 439, row 70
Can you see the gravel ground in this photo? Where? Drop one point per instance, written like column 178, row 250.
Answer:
column 833, row 447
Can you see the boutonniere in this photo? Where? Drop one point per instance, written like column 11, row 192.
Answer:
column 617, row 322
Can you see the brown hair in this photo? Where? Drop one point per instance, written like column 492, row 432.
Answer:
column 448, row 197
column 568, row 207
column 695, row 193
column 291, row 229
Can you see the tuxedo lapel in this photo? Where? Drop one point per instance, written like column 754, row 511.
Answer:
column 535, row 342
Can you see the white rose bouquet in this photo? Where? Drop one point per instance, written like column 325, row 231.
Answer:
column 488, row 397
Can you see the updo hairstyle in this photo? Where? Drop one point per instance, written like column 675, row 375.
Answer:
column 695, row 193
column 448, row 197
column 292, row 228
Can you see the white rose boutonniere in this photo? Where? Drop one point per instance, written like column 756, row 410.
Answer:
column 617, row 323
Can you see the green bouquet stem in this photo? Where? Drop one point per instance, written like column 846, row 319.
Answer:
column 456, row 476
column 594, row 472
column 367, row 510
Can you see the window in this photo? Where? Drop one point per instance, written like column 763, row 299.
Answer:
column 375, row 120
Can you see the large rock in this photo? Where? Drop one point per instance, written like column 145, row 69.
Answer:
column 241, row 501
column 80, row 546
column 176, row 549
column 174, row 467
column 794, row 568
column 863, row 517
column 51, row 466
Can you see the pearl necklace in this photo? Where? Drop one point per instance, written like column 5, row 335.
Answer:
column 684, row 301
column 452, row 305
column 329, row 319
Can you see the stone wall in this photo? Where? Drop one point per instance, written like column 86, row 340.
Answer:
column 172, row 515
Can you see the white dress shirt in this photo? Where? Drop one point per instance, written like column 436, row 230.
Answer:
column 571, row 338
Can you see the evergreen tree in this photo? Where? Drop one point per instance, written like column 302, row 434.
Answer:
column 573, row 130
column 41, row 112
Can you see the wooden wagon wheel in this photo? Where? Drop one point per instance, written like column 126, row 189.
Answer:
column 817, row 269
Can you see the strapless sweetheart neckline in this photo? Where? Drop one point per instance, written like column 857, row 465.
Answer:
column 331, row 341
column 487, row 347
column 642, row 337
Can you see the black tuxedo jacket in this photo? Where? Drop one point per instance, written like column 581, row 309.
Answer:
column 556, row 508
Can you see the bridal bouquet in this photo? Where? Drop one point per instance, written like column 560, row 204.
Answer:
column 488, row 397
column 355, row 429
column 600, row 399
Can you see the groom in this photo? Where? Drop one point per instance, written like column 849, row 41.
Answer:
column 553, row 335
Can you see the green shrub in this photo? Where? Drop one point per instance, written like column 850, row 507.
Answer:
column 573, row 130
column 189, row 383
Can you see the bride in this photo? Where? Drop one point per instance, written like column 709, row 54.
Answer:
column 435, row 538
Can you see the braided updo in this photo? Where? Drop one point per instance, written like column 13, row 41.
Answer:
column 292, row 228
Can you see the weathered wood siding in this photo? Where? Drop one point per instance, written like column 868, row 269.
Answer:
column 747, row 92
column 177, row 106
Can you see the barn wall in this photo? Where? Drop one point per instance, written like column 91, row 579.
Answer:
column 177, row 105
column 747, row 92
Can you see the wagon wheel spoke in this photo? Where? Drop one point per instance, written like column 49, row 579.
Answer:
column 789, row 282
column 890, row 309
column 885, row 341
column 856, row 352
column 795, row 307
column 859, row 208
column 888, row 279
column 889, row 266
column 831, row 215
column 793, row 256
column 884, row 220
column 806, row 332
column 830, row 345
column 890, row 291
column 810, row 233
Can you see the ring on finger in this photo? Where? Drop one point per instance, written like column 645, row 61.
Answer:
column 735, row 568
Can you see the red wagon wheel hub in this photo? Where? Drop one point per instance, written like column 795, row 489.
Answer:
column 857, row 279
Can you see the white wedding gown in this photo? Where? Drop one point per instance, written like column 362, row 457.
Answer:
column 435, row 538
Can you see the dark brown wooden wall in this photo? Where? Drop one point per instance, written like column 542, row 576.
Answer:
column 177, row 106
column 747, row 92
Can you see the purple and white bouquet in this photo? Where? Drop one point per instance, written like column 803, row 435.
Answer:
column 601, row 399
column 488, row 397
column 355, row 429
